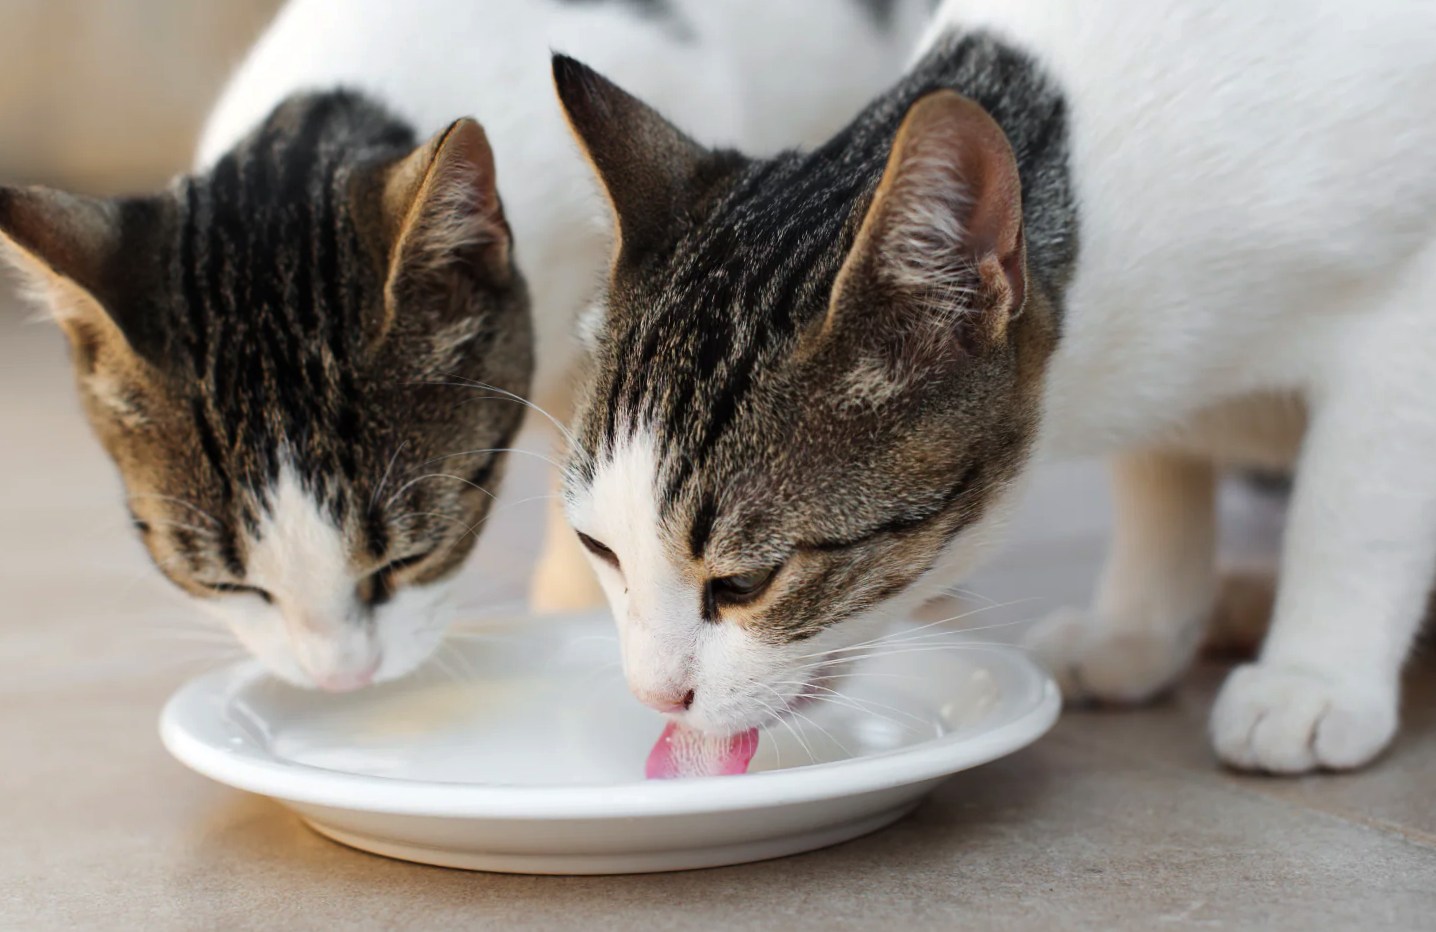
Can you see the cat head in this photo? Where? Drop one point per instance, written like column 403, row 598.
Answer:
column 270, row 351
column 815, row 381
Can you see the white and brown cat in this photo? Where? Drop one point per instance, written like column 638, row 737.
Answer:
column 1185, row 235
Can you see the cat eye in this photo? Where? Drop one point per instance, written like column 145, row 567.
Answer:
column 741, row 588
column 224, row 588
column 394, row 567
column 600, row 550
column 378, row 587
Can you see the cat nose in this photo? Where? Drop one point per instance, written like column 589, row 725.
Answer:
column 343, row 681
column 666, row 702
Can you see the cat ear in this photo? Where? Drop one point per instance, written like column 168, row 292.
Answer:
column 443, row 216
column 646, row 164
column 70, row 253
column 939, row 261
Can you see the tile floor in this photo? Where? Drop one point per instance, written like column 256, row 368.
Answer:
column 1112, row 821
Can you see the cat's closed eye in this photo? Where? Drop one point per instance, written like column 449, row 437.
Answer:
column 742, row 588
column 379, row 586
column 224, row 588
column 599, row 549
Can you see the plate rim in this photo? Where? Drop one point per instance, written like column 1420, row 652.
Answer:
column 316, row 786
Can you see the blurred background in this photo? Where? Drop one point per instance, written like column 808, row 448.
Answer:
column 107, row 97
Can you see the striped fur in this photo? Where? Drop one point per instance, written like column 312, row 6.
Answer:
column 304, row 324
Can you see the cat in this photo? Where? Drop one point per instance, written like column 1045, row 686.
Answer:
column 1182, row 235
column 308, row 357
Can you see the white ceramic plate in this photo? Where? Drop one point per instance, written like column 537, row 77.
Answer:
column 522, row 751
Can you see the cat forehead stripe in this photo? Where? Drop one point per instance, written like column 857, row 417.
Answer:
column 269, row 343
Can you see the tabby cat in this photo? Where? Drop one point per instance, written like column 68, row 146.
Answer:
column 1185, row 235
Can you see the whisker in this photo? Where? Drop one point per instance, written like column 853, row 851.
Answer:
column 826, row 733
column 383, row 480
column 461, row 382
column 177, row 501
column 474, row 528
column 926, row 648
column 782, row 717
column 907, row 632
column 463, row 663
column 435, row 475
column 858, row 703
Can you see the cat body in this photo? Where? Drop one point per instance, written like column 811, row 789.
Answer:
column 309, row 357
column 1223, row 252
column 1203, row 133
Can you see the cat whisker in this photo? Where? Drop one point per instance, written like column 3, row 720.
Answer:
column 439, row 663
column 468, row 529
column 929, row 648
column 827, row 734
column 460, row 661
column 384, row 479
column 177, row 501
column 435, row 475
column 493, row 513
column 782, row 717
column 963, row 592
column 777, row 753
column 859, row 704
column 539, row 456
column 911, row 633
column 766, row 733
column 171, row 522
column 563, row 430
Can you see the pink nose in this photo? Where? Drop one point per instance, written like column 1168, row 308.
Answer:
column 348, row 681
column 666, row 702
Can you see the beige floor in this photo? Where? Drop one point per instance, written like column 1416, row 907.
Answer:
column 1114, row 820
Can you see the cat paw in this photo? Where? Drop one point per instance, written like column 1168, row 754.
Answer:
column 1289, row 720
column 1092, row 663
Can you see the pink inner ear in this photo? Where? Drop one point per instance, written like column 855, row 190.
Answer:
column 683, row 752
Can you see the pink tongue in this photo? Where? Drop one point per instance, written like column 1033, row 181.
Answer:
column 681, row 752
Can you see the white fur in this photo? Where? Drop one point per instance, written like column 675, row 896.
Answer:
column 1258, row 215
column 315, row 632
column 751, row 73
column 739, row 681
column 1258, row 224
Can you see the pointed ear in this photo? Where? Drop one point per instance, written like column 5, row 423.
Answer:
column 939, row 261
column 646, row 164
column 442, row 216
column 70, row 252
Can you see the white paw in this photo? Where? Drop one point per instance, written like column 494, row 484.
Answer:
column 1289, row 720
column 1089, row 661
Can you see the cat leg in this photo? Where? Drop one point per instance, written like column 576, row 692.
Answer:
column 562, row 580
column 1357, row 563
column 1156, row 591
